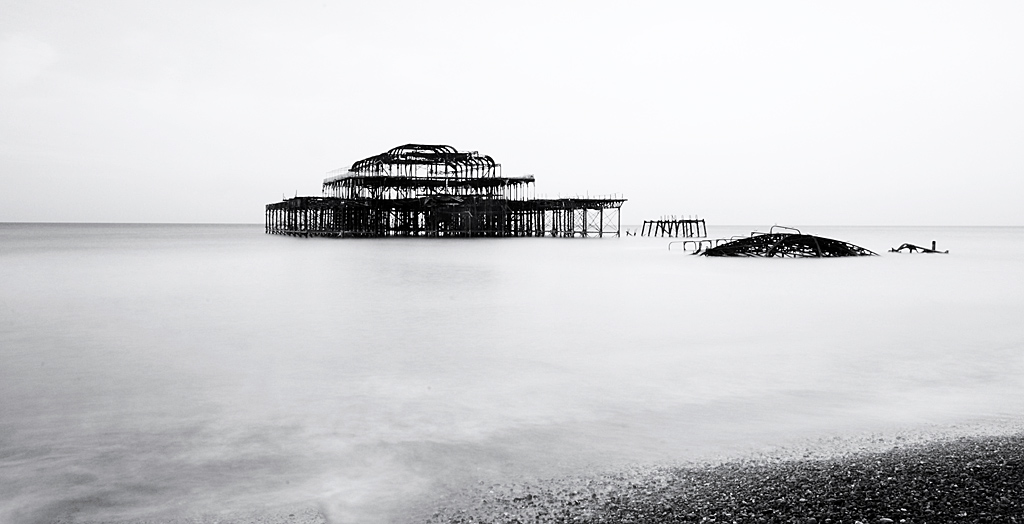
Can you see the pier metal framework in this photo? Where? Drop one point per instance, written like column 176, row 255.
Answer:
column 435, row 190
column 675, row 227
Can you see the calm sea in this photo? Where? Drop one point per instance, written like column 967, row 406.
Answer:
column 160, row 371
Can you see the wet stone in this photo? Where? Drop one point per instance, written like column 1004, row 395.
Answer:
column 912, row 484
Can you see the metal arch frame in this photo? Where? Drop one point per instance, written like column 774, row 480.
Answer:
column 465, row 163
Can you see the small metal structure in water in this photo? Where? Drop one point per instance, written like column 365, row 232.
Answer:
column 911, row 248
column 787, row 244
column 674, row 227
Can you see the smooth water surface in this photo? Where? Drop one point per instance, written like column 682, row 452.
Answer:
column 158, row 371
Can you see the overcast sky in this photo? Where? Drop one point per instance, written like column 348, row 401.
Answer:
column 904, row 113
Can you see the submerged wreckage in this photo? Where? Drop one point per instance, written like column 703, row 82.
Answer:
column 911, row 248
column 790, row 243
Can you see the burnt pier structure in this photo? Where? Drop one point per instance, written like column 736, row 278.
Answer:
column 674, row 227
column 437, row 191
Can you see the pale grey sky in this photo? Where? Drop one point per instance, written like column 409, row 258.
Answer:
column 888, row 112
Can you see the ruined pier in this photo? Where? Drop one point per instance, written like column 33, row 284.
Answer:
column 437, row 191
column 675, row 227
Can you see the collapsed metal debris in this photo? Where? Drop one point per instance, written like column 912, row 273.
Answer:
column 790, row 243
column 911, row 248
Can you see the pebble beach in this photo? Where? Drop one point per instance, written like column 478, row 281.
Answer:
column 969, row 479
column 978, row 479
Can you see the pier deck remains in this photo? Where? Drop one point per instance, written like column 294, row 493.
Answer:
column 437, row 191
column 675, row 227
